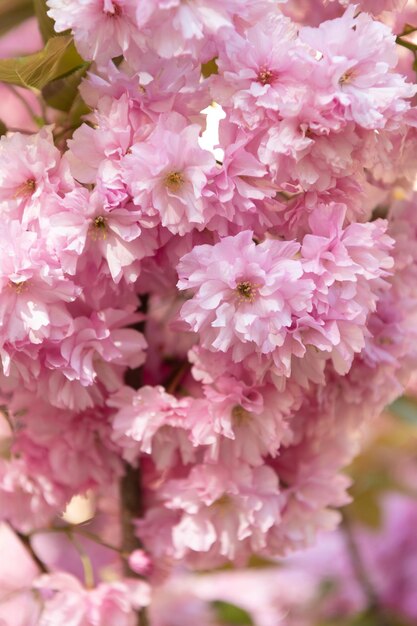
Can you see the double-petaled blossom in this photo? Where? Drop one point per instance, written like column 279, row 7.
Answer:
column 102, row 29
column 219, row 511
column 31, row 168
column 248, row 296
column 170, row 184
column 65, row 598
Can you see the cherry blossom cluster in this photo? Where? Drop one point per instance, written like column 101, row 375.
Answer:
column 219, row 319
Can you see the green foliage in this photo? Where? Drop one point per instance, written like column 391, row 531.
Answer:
column 405, row 408
column 58, row 58
column 13, row 12
column 46, row 24
column 231, row 615
column 61, row 93
column 370, row 617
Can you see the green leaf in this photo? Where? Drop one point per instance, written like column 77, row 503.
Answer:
column 61, row 93
column 46, row 24
column 231, row 615
column 58, row 58
column 13, row 12
column 405, row 408
column 372, row 617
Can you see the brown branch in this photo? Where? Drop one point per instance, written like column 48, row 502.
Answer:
column 131, row 508
column 131, row 492
column 26, row 542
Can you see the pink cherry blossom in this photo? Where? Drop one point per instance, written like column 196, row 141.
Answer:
column 108, row 603
column 102, row 28
column 247, row 297
column 153, row 422
column 170, row 185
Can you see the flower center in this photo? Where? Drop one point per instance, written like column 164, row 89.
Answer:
column 265, row 76
column 174, row 180
column 26, row 189
column 246, row 291
column 346, row 77
column 99, row 227
column 18, row 287
column 117, row 11
column 240, row 415
column 222, row 503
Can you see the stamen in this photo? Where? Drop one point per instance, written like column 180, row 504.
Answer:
column 26, row 189
column 174, row 180
column 239, row 414
column 223, row 502
column 117, row 11
column 247, row 291
column 346, row 77
column 266, row 76
column 99, row 228
column 18, row 287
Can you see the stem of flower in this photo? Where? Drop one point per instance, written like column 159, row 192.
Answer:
column 406, row 44
column 85, row 561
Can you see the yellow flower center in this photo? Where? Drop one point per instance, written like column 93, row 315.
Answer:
column 246, row 291
column 99, row 228
column 240, row 415
column 26, row 189
column 174, row 180
column 18, row 287
column 346, row 77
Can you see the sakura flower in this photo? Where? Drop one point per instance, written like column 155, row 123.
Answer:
column 149, row 88
column 95, row 341
column 47, row 464
column 34, row 292
column 359, row 54
column 259, row 74
column 108, row 603
column 376, row 7
column 223, row 512
column 30, row 168
column 350, row 271
column 247, row 298
column 240, row 184
column 151, row 421
column 170, row 184
column 103, row 227
column 238, row 421
column 98, row 150
column 179, row 27
column 102, row 29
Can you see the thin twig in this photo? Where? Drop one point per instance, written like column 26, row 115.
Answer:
column 131, row 508
column 79, row 531
column 85, row 561
column 26, row 542
column 407, row 44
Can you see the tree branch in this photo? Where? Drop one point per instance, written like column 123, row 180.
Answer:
column 131, row 508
